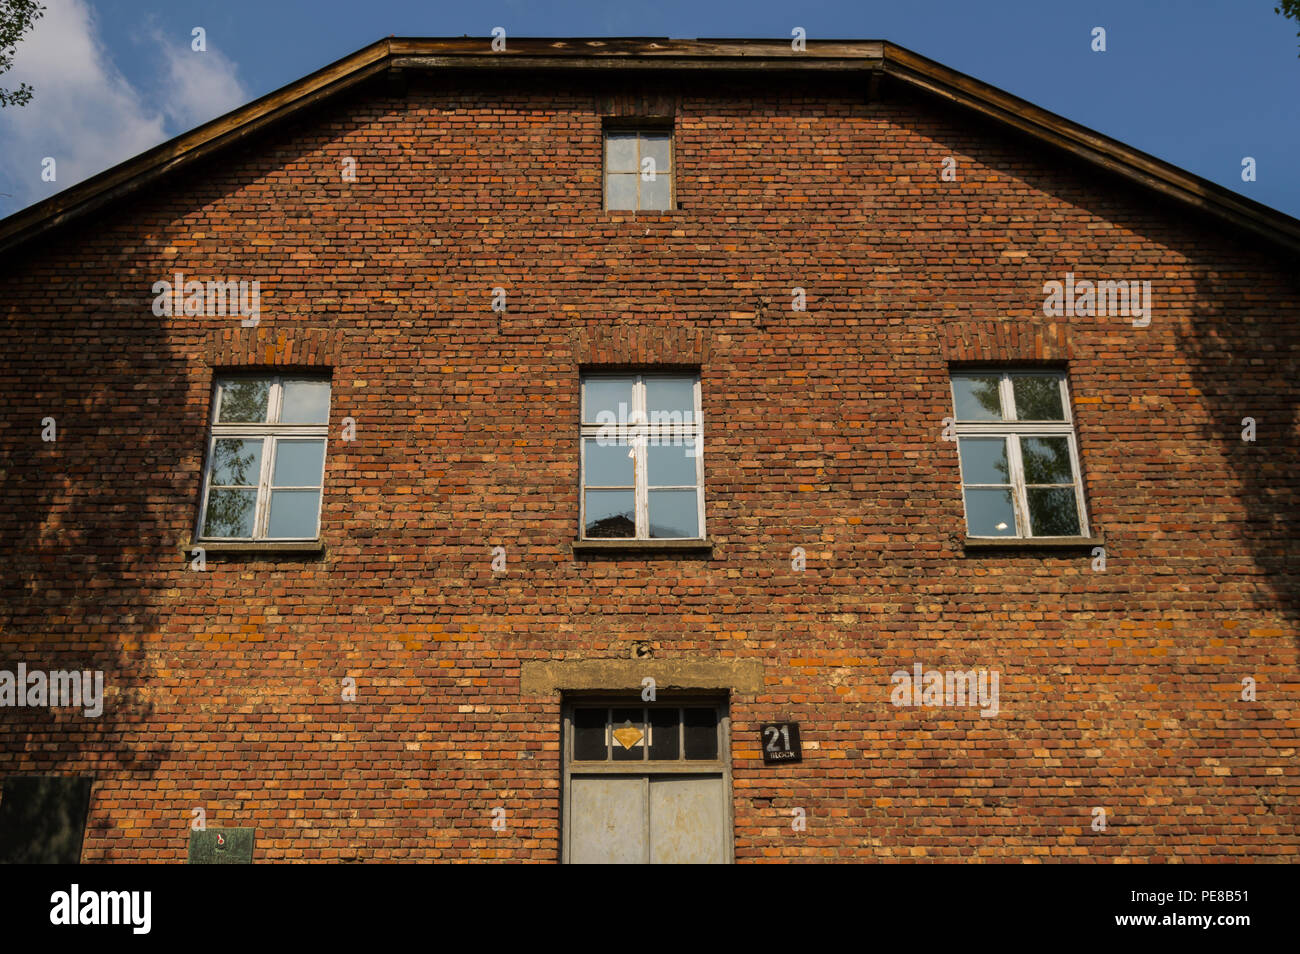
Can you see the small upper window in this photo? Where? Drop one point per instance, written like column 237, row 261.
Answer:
column 639, row 168
column 1019, row 457
column 266, row 459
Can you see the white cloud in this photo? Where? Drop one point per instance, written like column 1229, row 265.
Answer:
column 199, row 86
column 86, row 114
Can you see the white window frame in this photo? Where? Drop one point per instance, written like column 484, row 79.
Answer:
column 639, row 130
column 1013, row 430
column 642, row 434
column 272, row 434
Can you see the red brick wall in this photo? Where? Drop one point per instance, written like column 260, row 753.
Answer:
column 1119, row 689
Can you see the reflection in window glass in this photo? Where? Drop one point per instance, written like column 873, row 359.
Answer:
column 244, row 401
column 1053, row 511
column 1038, row 398
column 1020, row 474
column 641, row 468
column 989, row 513
column 230, row 513
column 610, row 514
column 266, row 460
column 977, row 397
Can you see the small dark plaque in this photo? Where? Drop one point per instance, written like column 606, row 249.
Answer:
column 781, row 743
column 222, row 846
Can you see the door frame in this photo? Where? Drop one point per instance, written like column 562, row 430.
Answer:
column 720, row 700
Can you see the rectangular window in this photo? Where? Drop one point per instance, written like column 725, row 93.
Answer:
column 642, row 461
column 1018, row 453
column 639, row 168
column 266, row 459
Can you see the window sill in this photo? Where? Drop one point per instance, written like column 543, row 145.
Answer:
column 639, row 215
column 624, row 544
column 1035, row 543
column 258, row 546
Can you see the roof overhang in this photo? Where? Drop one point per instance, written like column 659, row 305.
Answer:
column 869, row 58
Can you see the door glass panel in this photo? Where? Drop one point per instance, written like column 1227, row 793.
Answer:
column 700, row 733
column 663, row 733
column 589, row 734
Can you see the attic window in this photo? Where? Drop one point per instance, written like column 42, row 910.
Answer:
column 639, row 168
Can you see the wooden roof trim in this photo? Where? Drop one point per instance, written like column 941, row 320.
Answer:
column 237, row 124
column 653, row 53
column 1090, row 145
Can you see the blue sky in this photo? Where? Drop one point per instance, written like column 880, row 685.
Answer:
column 1200, row 83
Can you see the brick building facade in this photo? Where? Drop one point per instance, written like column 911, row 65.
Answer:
column 429, row 225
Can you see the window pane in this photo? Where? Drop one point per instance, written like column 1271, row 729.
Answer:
column 1046, row 460
column 976, row 397
column 607, row 463
column 611, row 396
column 298, row 463
column 236, row 462
column 657, row 194
column 230, row 513
column 294, row 513
column 610, row 513
column 670, row 400
column 671, row 462
column 663, row 733
column 989, row 513
column 620, row 152
column 589, row 735
column 1038, row 398
column 674, row 513
column 655, row 146
column 620, row 191
column 984, row 460
column 305, row 402
column 1053, row 512
column 629, row 735
column 700, row 730
column 244, row 401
